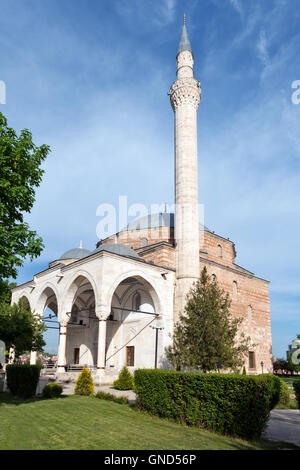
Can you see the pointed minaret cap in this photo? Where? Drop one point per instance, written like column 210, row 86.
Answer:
column 184, row 44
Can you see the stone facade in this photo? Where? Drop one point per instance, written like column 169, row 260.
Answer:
column 218, row 255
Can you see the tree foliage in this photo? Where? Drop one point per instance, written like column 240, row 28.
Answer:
column 205, row 338
column 20, row 175
column 5, row 290
column 280, row 364
column 20, row 328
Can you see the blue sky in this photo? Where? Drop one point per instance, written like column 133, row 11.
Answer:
column 90, row 78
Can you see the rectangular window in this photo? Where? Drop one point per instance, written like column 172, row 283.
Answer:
column 251, row 360
column 130, row 355
column 76, row 355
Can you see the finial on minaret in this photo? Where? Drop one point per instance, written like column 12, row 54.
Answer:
column 80, row 244
column 184, row 18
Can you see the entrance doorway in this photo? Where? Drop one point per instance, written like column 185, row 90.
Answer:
column 76, row 355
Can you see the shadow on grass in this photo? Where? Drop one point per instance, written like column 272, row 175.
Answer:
column 6, row 398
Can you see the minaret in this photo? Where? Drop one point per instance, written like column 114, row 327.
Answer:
column 185, row 98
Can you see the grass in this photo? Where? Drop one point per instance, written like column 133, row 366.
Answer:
column 77, row 422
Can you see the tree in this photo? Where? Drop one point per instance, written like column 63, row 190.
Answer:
column 20, row 174
column 85, row 384
column 125, row 380
column 20, row 328
column 205, row 337
column 280, row 364
column 5, row 290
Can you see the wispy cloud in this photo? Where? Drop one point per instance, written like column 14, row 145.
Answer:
column 262, row 48
column 237, row 6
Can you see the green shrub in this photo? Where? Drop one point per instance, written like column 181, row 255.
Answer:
column 236, row 405
column 296, row 386
column 284, row 393
column 111, row 397
column 22, row 379
column 84, row 384
column 52, row 390
column 125, row 380
column 244, row 371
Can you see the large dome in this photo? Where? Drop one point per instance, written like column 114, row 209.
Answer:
column 163, row 219
column 75, row 253
column 152, row 221
column 118, row 249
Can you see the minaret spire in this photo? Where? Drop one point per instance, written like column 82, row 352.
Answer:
column 184, row 44
column 185, row 98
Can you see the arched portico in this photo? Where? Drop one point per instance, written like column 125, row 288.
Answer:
column 78, row 325
column 134, row 308
column 47, row 306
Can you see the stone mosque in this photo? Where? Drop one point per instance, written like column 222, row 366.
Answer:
column 117, row 305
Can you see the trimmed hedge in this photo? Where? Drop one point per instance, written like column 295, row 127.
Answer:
column 284, row 393
column 52, row 390
column 296, row 386
column 229, row 404
column 111, row 397
column 22, row 379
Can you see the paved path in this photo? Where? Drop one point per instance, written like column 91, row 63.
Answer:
column 284, row 425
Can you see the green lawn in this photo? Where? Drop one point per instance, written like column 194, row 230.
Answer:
column 76, row 422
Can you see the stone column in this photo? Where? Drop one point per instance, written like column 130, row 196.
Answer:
column 61, row 357
column 33, row 357
column 185, row 98
column 102, row 314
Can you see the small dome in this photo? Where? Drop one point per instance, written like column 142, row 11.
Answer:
column 75, row 253
column 118, row 249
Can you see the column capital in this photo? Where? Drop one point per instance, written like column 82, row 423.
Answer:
column 63, row 323
column 102, row 312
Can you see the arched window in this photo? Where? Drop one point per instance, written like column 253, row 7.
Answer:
column 249, row 313
column 144, row 242
column 234, row 287
column 219, row 251
column 136, row 304
column 213, row 278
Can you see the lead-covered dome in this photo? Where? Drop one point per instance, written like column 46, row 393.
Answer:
column 163, row 219
column 75, row 253
column 118, row 249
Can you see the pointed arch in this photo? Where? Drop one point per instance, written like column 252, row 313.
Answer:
column 80, row 280
column 145, row 280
